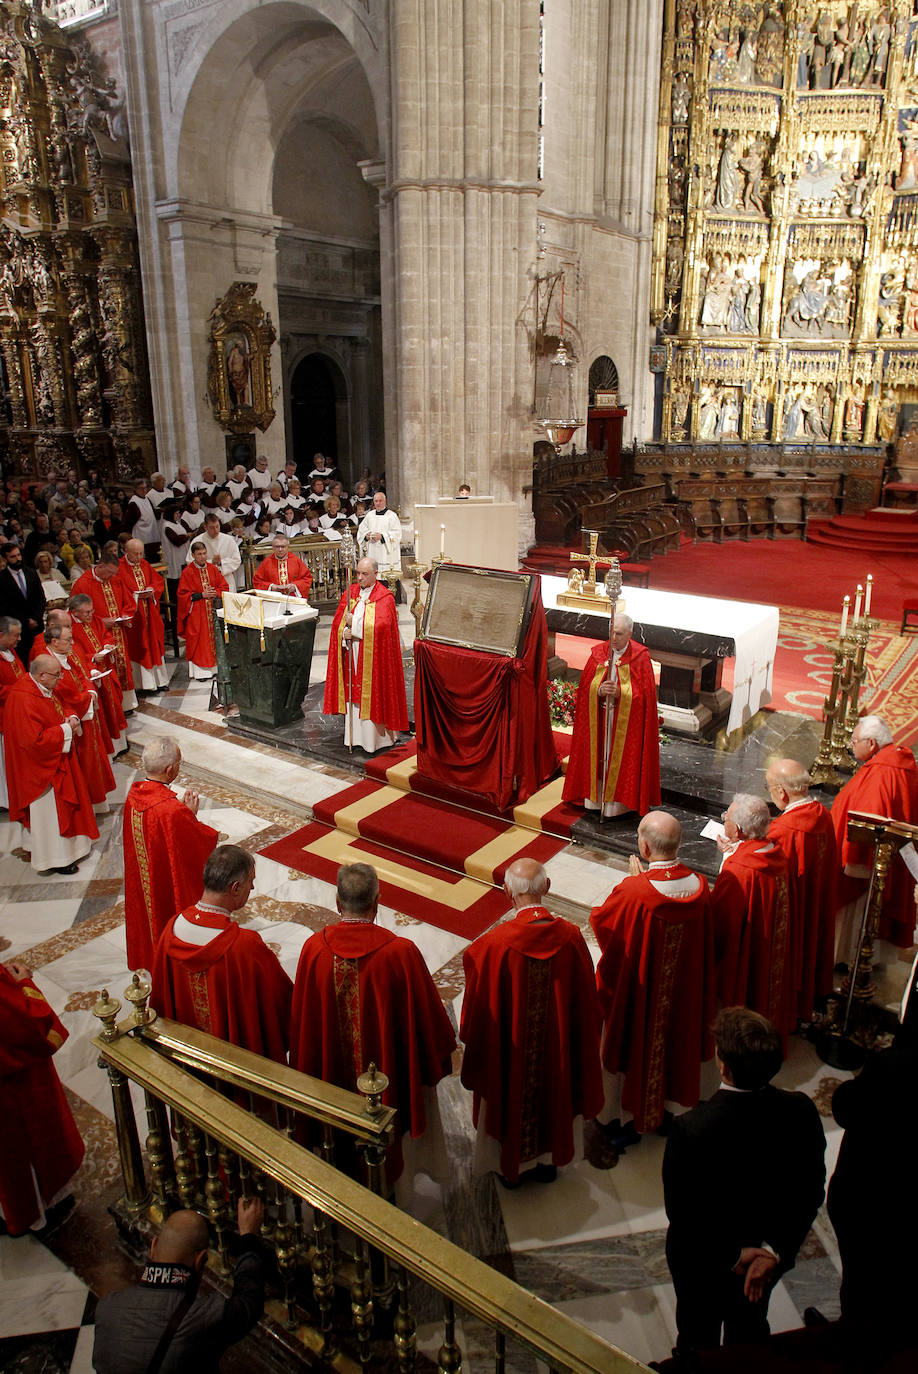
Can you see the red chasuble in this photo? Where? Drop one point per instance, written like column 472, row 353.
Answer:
column 378, row 684
column 633, row 776
column 364, row 995
column 233, row 987
column 292, row 572
column 887, row 785
column 145, row 636
column 89, row 640
column 753, row 915
column 656, row 990
column 806, row 837
column 110, row 599
column 37, row 1129
column 89, row 747
column 531, row 1025
column 165, row 850
column 10, row 673
column 35, row 760
column 196, row 617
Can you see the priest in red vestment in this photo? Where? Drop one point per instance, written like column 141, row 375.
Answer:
column 40, row 1146
column 115, row 609
column 614, row 764
column 200, row 585
column 11, row 670
column 47, row 789
column 165, row 850
column 753, row 918
column 211, row 973
column 365, row 681
column 531, row 1025
column 97, row 649
column 656, row 984
column 886, row 784
column 282, row 571
column 145, row 635
column 362, row 996
column 78, row 698
column 805, row 835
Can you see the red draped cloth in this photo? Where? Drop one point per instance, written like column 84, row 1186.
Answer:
column 110, row 599
column 233, row 987
column 378, row 684
column 145, row 636
column 365, row 995
column 196, row 616
column 656, row 990
column 481, row 720
column 633, row 776
column 90, row 640
column 89, row 748
column 531, row 1025
column 887, row 785
column 165, row 850
column 35, row 760
column 806, row 837
column 753, row 918
column 292, row 572
column 37, row 1129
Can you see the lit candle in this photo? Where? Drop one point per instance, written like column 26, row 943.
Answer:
column 857, row 602
column 844, row 620
column 417, row 547
column 868, row 595
column 442, row 540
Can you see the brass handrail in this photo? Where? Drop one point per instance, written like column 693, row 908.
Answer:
column 238, row 1068
column 475, row 1287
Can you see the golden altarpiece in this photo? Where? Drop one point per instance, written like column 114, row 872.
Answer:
column 71, row 321
column 785, row 279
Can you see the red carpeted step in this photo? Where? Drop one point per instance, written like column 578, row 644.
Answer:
column 893, row 516
column 866, row 535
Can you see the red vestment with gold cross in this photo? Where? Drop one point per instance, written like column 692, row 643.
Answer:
column 39, row 1141
column 195, row 613
column 288, row 572
column 365, row 995
column 753, row 922
column 110, row 599
column 377, row 685
column 633, row 776
column 656, row 989
column 10, row 673
column 530, row 1025
column 90, row 640
column 233, row 987
column 35, row 760
column 89, row 748
column 165, row 850
column 145, row 636
column 806, row 837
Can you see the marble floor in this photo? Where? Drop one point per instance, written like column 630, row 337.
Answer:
column 591, row 1243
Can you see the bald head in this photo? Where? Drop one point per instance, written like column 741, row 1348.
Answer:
column 787, row 780
column 182, row 1240
column 525, row 882
column 659, row 836
column 57, row 617
column 133, row 550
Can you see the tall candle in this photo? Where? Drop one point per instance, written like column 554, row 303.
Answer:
column 844, row 619
column 868, row 595
column 857, row 602
column 417, row 547
column 442, row 540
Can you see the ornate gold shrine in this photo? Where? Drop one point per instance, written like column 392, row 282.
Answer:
column 74, row 365
column 785, row 264
column 239, row 380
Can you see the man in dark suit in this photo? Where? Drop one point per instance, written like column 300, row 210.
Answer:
column 21, row 597
column 743, row 1177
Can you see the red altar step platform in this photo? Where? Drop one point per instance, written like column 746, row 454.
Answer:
column 883, row 530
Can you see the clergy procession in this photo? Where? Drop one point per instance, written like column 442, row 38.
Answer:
column 710, row 954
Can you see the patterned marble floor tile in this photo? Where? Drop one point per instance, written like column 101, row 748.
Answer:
column 37, row 1291
column 26, row 924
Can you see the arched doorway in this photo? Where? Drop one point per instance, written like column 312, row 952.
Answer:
column 318, row 413
column 605, row 415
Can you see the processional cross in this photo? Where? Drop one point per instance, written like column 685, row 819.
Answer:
column 589, row 587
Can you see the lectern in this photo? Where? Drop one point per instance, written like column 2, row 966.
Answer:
column 268, row 644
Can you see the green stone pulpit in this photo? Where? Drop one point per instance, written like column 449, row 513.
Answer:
column 268, row 684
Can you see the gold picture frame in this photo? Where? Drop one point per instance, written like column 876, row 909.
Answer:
column 239, row 370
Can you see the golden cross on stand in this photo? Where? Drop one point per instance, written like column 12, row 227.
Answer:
column 592, row 558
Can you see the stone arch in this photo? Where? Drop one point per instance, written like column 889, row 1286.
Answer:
column 603, row 376
column 319, row 392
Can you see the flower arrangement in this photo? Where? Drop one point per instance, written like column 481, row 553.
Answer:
column 561, row 699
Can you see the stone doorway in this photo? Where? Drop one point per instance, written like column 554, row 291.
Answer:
column 317, row 399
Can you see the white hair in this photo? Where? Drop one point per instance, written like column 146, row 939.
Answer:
column 875, row 727
column 626, row 618
column 751, row 815
column 160, row 754
column 518, row 885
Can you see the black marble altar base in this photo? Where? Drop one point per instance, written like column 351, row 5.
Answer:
column 316, row 735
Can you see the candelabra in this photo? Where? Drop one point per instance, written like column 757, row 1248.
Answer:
column 823, row 769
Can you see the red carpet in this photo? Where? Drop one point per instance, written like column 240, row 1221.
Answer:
column 442, row 864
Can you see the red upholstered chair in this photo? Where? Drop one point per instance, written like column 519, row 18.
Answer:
column 637, row 573
column 909, row 607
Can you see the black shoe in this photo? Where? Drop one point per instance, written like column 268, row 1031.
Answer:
column 627, row 1136
column 68, row 869
column 544, row 1173
column 841, row 968
column 813, row 1317
column 55, row 1217
column 509, row 1184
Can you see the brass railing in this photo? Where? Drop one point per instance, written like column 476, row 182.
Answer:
column 348, row 1240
